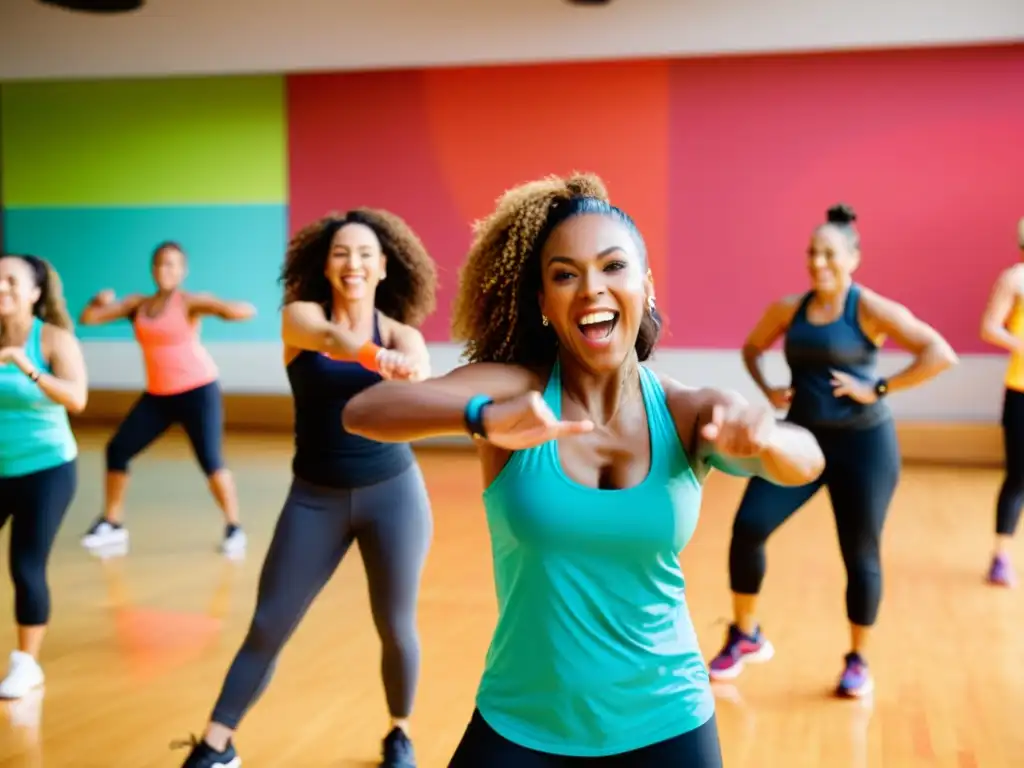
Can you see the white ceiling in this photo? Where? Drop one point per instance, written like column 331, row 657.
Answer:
column 234, row 36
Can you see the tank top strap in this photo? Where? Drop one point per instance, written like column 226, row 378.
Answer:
column 667, row 451
column 34, row 343
column 851, row 310
column 801, row 307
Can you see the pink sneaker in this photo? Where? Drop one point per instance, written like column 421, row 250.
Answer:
column 739, row 648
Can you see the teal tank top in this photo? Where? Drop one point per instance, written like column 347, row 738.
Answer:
column 594, row 653
column 35, row 433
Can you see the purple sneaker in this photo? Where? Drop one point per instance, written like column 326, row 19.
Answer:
column 1000, row 573
column 739, row 648
column 856, row 680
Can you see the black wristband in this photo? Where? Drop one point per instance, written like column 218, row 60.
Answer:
column 474, row 415
column 881, row 388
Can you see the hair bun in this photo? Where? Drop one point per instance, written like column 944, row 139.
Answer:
column 586, row 185
column 842, row 214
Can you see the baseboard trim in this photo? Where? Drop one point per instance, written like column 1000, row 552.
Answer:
column 956, row 443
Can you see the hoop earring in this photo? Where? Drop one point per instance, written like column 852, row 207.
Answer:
column 650, row 303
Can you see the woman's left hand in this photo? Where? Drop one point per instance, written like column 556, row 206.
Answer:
column 17, row 356
column 739, row 431
column 845, row 385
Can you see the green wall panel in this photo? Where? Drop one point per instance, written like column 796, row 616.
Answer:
column 184, row 141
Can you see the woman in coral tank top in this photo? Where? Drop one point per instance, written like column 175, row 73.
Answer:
column 181, row 388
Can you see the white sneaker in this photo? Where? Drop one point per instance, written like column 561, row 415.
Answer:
column 23, row 676
column 234, row 543
column 104, row 534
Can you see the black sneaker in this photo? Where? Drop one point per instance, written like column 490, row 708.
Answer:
column 205, row 756
column 398, row 752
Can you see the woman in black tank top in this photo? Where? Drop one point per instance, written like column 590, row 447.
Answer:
column 831, row 339
column 356, row 289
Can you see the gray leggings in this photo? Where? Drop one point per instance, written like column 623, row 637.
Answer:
column 392, row 523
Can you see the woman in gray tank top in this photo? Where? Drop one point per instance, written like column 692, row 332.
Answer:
column 832, row 335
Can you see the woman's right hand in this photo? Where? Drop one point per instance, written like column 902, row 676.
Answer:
column 526, row 421
column 779, row 397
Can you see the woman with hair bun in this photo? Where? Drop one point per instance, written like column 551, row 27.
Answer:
column 42, row 378
column 832, row 334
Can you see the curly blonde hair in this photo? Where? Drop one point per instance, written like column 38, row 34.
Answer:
column 51, row 307
column 496, row 311
column 408, row 295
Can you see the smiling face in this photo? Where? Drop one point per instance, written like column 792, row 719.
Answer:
column 355, row 263
column 831, row 260
column 168, row 268
column 594, row 288
column 18, row 290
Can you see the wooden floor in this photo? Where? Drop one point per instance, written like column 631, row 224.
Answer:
column 139, row 644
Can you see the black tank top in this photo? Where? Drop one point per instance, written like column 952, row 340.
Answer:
column 814, row 351
column 325, row 454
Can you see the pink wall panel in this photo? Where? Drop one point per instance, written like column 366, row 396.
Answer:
column 726, row 164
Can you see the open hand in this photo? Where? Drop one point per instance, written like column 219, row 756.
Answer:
column 739, row 431
column 845, row 385
column 525, row 422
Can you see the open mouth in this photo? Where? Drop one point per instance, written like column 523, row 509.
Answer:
column 353, row 279
column 598, row 326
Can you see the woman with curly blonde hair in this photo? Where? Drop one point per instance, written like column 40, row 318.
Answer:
column 593, row 466
column 356, row 288
column 42, row 378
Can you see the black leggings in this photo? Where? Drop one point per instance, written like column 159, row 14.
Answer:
column 200, row 413
column 1011, row 495
column 391, row 522
column 862, row 470
column 482, row 747
column 35, row 504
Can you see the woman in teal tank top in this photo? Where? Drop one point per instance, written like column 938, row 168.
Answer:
column 42, row 377
column 593, row 466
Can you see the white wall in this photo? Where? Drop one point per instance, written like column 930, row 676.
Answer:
column 970, row 392
column 234, row 36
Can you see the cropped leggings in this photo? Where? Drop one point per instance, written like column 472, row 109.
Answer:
column 483, row 747
column 392, row 524
column 862, row 469
column 199, row 411
column 1011, row 495
column 36, row 505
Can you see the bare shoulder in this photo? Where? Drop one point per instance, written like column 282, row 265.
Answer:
column 1012, row 278
column 876, row 304
column 57, row 340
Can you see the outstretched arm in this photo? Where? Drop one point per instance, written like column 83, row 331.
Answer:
column 725, row 432
column 403, row 411
column 208, row 304
column 104, row 308
column 304, row 325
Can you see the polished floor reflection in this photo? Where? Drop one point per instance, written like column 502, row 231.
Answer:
column 140, row 642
